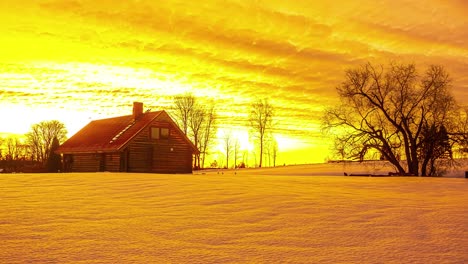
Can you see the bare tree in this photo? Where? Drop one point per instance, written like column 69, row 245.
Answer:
column 460, row 136
column 197, row 122
column 393, row 111
column 260, row 119
column 274, row 150
column 227, row 144
column 236, row 151
column 271, row 149
column 15, row 154
column 208, row 133
column 13, row 148
column 245, row 159
column 35, row 143
column 184, row 105
column 267, row 151
column 40, row 137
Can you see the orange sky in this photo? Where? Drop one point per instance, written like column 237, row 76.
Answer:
column 81, row 60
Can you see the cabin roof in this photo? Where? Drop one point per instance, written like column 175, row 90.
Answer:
column 110, row 134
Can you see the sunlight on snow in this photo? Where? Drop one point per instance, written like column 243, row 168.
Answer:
column 247, row 217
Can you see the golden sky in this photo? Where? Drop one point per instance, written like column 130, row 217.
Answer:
column 76, row 61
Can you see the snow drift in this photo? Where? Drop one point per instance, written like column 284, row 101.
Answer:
column 231, row 218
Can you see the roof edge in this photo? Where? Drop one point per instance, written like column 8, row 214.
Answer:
column 138, row 132
column 195, row 149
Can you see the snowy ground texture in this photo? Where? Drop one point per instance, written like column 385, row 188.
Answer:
column 253, row 216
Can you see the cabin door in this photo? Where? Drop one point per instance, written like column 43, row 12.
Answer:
column 139, row 159
column 124, row 161
column 102, row 162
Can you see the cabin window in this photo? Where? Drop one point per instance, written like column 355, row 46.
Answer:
column 159, row 133
column 155, row 133
column 164, row 133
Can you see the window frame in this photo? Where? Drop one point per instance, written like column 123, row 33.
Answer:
column 164, row 135
column 160, row 134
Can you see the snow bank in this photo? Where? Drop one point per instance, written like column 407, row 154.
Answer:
column 335, row 169
column 231, row 218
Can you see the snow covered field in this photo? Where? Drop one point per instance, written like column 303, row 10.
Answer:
column 254, row 216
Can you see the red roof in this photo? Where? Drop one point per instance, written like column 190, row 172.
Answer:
column 108, row 135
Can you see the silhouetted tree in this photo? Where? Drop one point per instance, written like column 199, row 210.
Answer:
column 208, row 132
column 13, row 148
column 40, row 137
column 260, row 119
column 54, row 161
column 271, row 148
column 274, row 150
column 459, row 132
column 184, row 106
column 434, row 145
column 391, row 111
column 236, row 151
column 227, row 144
column 197, row 121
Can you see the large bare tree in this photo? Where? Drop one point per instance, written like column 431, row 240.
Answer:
column 260, row 119
column 40, row 137
column 183, row 108
column 208, row 132
column 197, row 121
column 396, row 112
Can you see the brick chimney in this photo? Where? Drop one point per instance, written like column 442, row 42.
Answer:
column 137, row 110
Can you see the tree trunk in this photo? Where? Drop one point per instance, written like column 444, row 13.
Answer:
column 261, row 151
column 199, row 166
column 203, row 160
column 227, row 160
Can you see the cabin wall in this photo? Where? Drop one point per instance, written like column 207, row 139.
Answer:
column 172, row 155
column 92, row 162
column 83, row 163
column 139, row 156
column 112, row 162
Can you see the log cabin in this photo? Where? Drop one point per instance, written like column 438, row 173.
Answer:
column 148, row 142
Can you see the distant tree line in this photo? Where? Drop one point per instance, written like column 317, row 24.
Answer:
column 34, row 152
column 232, row 151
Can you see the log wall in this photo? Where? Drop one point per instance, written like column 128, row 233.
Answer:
column 112, row 162
column 92, row 162
column 172, row 155
column 84, row 163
